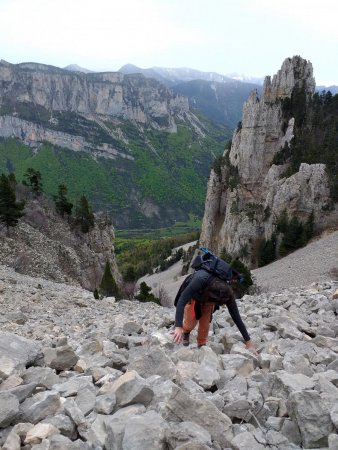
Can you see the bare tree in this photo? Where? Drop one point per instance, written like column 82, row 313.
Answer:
column 128, row 289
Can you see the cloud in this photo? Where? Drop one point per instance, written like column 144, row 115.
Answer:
column 105, row 29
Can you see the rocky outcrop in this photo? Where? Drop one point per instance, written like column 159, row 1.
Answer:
column 33, row 134
column 131, row 97
column 43, row 244
column 104, row 374
column 247, row 196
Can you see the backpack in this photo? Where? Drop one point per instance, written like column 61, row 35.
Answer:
column 217, row 289
column 216, row 266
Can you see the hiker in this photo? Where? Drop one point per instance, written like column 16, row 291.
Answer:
column 192, row 307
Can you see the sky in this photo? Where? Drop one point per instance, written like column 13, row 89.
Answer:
column 249, row 37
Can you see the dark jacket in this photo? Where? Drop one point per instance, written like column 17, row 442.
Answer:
column 194, row 290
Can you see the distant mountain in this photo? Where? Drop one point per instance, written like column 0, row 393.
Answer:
column 173, row 76
column 76, row 68
column 218, row 97
column 333, row 89
column 220, row 102
column 127, row 142
column 246, row 78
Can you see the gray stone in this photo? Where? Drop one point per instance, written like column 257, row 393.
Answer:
column 11, row 382
column 153, row 361
column 333, row 365
column 132, row 327
column 180, row 406
column 273, row 438
column 131, row 388
column 193, row 445
column 39, row 432
column 86, row 362
column 314, row 423
column 38, row 407
column 105, row 404
column 73, row 386
column 13, row 442
column 184, row 432
column 145, row 431
column 85, row 399
column 60, row 358
column 207, row 373
column 291, row 431
column 274, row 423
column 64, row 424
column 238, row 409
column 9, row 408
column 294, row 363
column 16, row 353
column 333, row 441
column 286, row 383
column 242, row 364
column 17, row 317
column 43, row 376
column 24, row 391
column 59, row 442
column 111, row 429
column 75, row 413
column 334, row 415
column 246, row 441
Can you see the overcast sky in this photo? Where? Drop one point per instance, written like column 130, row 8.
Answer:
column 250, row 37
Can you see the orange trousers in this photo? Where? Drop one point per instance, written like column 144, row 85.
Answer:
column 190, row 321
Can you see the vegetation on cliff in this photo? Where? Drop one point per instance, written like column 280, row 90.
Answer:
column 10, row 209
column 315, row 134
column 163, row 179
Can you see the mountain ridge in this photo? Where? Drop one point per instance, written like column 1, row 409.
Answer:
column 125, row 128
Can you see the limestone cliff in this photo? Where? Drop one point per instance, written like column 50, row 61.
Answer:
column 110, row 94
column 248, row 194
column 45, row 245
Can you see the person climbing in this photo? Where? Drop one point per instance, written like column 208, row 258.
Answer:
column 194, row 305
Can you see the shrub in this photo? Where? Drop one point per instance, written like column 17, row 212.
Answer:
column 108, row 286
column 267, row 251
column 10, row 209
column 33, row 180
column 84, row 215
column 145, row 294
column 241, row 289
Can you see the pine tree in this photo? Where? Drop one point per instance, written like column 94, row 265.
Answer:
column 62, row 205
column 10, row 209
column 309, row 227
column 293, row 237
column 108, row 286
column 267, row 251
column 33, row 180
column 84, row 214
column 241, row 289
column 145, row 294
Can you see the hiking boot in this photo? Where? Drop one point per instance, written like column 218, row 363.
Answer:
column 186, row 339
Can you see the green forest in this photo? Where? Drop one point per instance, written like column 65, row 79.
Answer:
column 169, row 170
column 316, row 134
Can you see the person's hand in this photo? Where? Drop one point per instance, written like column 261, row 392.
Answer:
column 250, row 346
column 177, row 335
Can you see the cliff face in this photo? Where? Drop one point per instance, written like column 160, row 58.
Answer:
column 131, row 97
column 151, row 153
column 45, row 245
column 246, row 198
